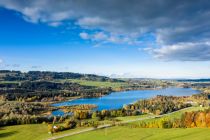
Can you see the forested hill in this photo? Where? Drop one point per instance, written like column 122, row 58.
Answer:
column 35, row 86
column 6, row 75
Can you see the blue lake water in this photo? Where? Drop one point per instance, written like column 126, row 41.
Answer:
column 116, row 100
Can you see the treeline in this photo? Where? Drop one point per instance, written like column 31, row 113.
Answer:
column 6, row 75
column 104, row 114
column 158, row 105
column 24, row 119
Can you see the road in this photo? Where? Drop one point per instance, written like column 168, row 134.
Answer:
column 110, row 125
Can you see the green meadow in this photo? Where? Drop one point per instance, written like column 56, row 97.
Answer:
column 40, row 132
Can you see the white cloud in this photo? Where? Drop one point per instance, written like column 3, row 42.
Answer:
column 199, row 51
column 1, row 61
column 104, row 38
column 100, row 36
column 55, row 24
column 91, row 22
column 84, row 35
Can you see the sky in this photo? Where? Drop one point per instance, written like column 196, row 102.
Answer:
column 117, row 38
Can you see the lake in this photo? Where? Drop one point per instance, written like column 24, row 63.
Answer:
column 116, row 100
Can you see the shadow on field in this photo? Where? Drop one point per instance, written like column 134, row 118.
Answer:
column 7, row 134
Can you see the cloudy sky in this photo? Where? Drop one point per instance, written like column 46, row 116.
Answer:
column 127, row 38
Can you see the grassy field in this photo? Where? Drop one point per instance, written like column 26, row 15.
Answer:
column 24, row 132
column 95, row 83
column 9, row 82
column 132, row 117
column 127, row 133
column 29, row 132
